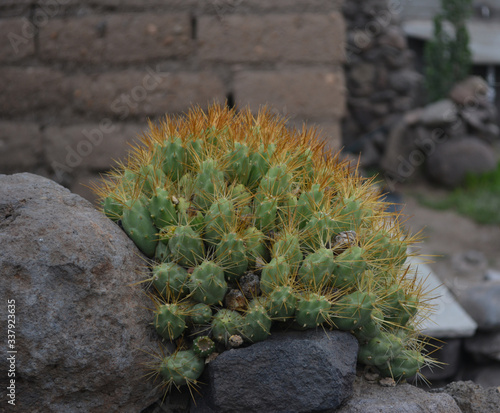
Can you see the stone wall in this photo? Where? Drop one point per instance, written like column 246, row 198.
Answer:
column 380, row 76
column 79, row 79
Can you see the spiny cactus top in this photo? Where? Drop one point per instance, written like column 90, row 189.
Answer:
column 250, row 225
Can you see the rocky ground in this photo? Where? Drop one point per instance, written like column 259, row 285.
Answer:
column 456, row 246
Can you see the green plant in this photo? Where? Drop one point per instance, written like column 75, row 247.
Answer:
column 478, row 198
column 447, row 56
column 227, row 204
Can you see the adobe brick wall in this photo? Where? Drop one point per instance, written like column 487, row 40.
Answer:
column 79, row 79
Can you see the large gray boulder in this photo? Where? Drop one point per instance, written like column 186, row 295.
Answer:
column 449, row 163
column 306, row 371
column 81, row 331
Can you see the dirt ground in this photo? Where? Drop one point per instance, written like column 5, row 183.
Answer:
column 455, row 245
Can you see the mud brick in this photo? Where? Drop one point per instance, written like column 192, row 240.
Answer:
column 273, row 37
column 306, row 93
column 27, row 89
column 118, row 38
column 145, row 93
column 16, row 39
column 20, row 146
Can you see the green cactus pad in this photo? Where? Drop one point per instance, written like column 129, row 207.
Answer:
column 380, row 349
column 312, row 310
column 257, row 323
column 404, row 365
column 186, row 246
column 317, row 268
column 181, row 368
column 353, row 310
column 232, row 256
column 226, row 323
column 170, row 321
column 282, row 302
column 348, row 267
column 200, row 313
column 170, row 280
column 275, row 273
column 288, row 246
column 207, row 284
column 218, row 220
column 139, row 226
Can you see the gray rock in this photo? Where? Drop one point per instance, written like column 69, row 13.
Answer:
column 482, row 302
column 82, row 326
column 470, row 262
column 492, row 275
column 484, row 344
column 370, row 397
column 439, row 113
column 487, row 375
column 293, row 371
column 452, row 160
column 404, row 80
column 469, row 91
column 472, row 398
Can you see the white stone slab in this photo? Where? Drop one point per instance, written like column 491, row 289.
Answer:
column 448, row 319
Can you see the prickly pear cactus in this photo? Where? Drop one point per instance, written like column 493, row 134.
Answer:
column 249, row 226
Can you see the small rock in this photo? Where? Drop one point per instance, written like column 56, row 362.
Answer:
column 404, row 80
column 235, row 300
column 469, row 90
column 394, row 37
column 387, row 382
column 413, row 116
column 439, row 113
column 250, row 285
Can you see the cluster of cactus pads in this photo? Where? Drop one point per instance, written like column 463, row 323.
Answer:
column 251, row 226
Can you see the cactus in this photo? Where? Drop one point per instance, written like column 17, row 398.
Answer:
column 182, row 367
column 170, row 321
column 203, row 346
column 257, row 323
column 170, row 280
column 226, row 323
column 248, row 224
column 207, row 283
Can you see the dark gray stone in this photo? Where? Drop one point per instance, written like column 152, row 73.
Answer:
column 472, row 398
column 452, row 160
column 82, row 325
column 370, row 397
column 306, row 371
column 484, row 344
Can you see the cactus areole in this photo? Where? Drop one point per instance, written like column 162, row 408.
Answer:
column 219, row 197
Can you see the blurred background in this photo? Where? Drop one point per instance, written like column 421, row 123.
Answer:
column 407, row 88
